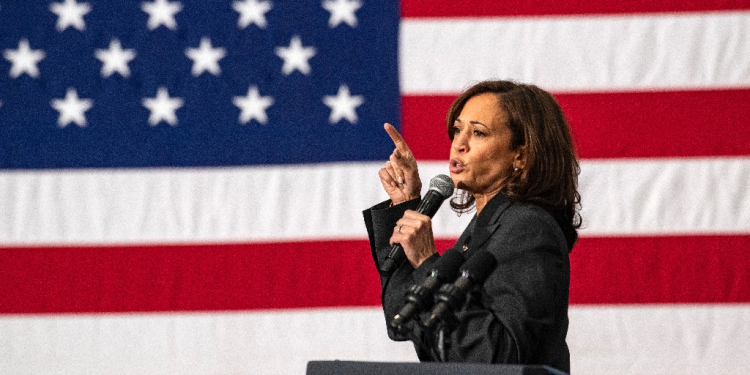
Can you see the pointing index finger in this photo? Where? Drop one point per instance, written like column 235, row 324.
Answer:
column 401, row 146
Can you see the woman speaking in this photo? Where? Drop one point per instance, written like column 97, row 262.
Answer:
column 512, row 160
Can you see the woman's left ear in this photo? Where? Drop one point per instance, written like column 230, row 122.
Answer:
column 519, row 161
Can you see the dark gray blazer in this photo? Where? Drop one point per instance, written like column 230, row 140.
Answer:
column 520, row 314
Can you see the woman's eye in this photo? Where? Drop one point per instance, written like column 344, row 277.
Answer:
column 478, row 133
column 455, row 130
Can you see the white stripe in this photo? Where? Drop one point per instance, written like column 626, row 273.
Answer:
column 580, row 54
column 186, row 205
column 276, row 342
column 665, row 196
column 663, row 339
column 620, row 197
column 666, row 339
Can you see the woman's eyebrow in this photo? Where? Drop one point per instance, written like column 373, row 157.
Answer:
column 458, row 119
column 478, row 123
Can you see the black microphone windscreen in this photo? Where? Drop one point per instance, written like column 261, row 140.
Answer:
column 479, row 266
column 447, row 266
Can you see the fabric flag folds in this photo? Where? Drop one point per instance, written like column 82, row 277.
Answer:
column 181, row 182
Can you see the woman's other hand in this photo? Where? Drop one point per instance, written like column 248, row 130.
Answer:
column 399, row 176
column 414, row 232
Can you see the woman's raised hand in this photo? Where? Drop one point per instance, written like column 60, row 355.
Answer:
column 399, row 176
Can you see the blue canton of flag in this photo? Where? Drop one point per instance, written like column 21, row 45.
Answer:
column 195, row 83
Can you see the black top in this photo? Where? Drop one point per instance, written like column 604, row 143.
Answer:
column 519, row 315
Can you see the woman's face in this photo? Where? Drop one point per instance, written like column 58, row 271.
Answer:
column 481, row 158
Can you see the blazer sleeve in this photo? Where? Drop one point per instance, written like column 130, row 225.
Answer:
column 380, row 221
column 512, row 316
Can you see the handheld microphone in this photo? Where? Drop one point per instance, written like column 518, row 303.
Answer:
column 452, row 297
column 441, row 187
column 419, row 297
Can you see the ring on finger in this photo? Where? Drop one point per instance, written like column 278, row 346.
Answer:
column 399, row 228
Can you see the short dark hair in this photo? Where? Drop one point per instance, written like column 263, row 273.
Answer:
column 550, row 176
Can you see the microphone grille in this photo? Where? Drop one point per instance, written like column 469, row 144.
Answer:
column 442, row 184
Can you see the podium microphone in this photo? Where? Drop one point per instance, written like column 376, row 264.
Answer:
column 420, row 296
column 441, row 187
column 452, row 297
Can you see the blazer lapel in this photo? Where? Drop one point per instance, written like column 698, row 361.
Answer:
column 486, row 227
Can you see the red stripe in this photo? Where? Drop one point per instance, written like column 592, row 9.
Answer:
column 494, row 8
column 423, row 125
column 616, row 125
column 702, row 269
column 187, row 278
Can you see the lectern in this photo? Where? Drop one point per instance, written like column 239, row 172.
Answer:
column 428, row 368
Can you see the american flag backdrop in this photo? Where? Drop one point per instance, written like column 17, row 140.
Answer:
column 181, row 182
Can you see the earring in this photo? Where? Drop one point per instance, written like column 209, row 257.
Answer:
column 515, row 169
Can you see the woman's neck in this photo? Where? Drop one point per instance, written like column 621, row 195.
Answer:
column 480, row 200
